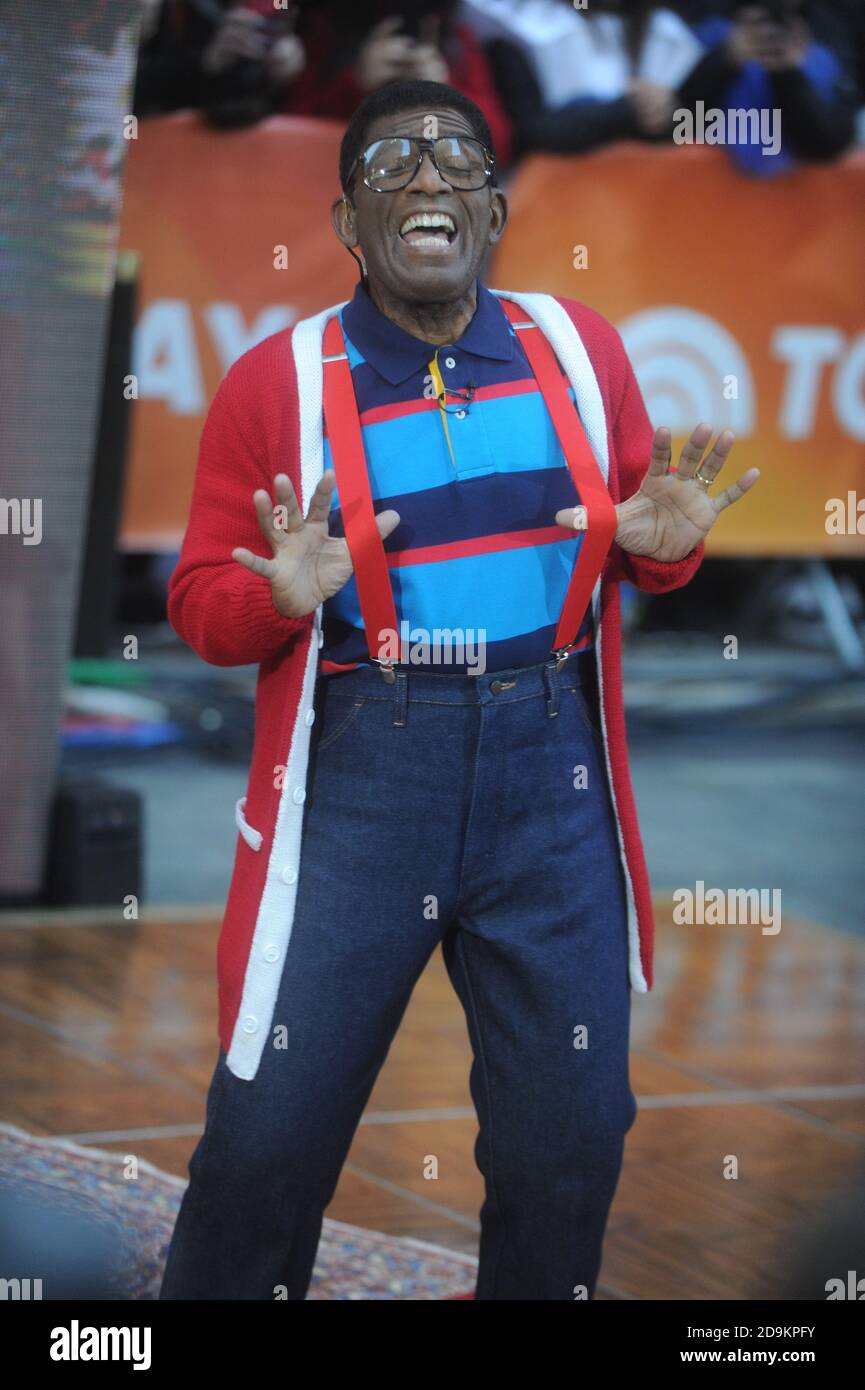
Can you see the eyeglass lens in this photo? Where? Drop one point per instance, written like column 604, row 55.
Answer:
column 392, row 163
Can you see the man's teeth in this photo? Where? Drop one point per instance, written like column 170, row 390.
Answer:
column 437, row 242
column 435, row 221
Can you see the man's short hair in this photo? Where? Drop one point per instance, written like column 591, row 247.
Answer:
column 394, row 97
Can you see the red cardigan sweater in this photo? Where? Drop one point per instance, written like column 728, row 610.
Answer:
column 226, row 615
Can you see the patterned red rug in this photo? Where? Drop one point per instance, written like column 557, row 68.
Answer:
column 137, row 1214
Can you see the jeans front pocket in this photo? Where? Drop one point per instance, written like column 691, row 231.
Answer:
column 578, row 695
column 339, row 714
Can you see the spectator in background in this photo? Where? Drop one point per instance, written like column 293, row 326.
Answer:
column 321, row 60
column 574, row 80
column 791, row 56
column 250, row 62
column 854, row 13
column 172, row 38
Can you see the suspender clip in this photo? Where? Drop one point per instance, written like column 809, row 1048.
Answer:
column 388, row 674
column 561, row 654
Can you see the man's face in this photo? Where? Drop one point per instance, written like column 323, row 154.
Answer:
column 412, row 265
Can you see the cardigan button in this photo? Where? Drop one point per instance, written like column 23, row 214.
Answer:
column 271, row 953
column 298, row 795
column 309, row 717
column 289, row 874
column 250, row 1024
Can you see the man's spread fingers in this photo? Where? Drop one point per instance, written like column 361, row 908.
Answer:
column 256, row 563
column 714, row 461
column 290, row 518
column 386, row 522
column 736, row 490
column 692, row 453
column 319, row 507
column 659, row 458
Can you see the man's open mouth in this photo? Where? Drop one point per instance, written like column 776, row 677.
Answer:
column 428, row 231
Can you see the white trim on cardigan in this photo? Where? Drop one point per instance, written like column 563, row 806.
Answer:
column 267, row 954
column 273, row 926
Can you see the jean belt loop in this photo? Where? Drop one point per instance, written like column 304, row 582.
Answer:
column 400, row 698
column 551, row 683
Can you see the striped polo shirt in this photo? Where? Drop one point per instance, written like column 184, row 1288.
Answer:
column 479, row 569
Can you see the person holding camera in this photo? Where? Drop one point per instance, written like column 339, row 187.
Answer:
column 790, row 56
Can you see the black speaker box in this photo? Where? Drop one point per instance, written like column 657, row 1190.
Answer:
column 94, row 854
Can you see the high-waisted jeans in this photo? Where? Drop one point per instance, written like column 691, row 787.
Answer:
column 471, row 811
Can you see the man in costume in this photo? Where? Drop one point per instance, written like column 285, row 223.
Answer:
column 456, row 466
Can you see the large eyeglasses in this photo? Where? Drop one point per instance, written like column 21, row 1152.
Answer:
column 391, row 164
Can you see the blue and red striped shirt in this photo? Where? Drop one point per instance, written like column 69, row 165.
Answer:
column 478, row 566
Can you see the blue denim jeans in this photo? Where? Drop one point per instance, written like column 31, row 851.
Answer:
column 444, row 809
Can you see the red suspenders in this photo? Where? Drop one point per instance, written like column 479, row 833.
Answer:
column 352, row 481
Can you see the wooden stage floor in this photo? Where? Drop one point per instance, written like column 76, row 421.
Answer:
column 748, row 1044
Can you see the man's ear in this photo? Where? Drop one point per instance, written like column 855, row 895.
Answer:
column 342, row 217
column 498, row 214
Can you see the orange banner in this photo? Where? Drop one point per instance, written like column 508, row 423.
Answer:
column 740, row 302
column 233, row 229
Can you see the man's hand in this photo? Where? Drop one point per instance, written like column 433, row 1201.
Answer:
column 672, row 511
column 384, row 55
column 285, row 60
column 427, row 64
column 240, row 35
column 653, row 106
column 308, row 565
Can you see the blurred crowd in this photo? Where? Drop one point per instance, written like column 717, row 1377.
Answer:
column 549, row 75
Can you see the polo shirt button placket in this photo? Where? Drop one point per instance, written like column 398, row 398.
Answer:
column 450, row 362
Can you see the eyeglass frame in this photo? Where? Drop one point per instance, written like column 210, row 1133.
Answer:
column 425, row 145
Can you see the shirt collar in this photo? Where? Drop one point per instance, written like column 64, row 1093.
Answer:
column 396, row 355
